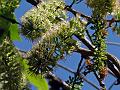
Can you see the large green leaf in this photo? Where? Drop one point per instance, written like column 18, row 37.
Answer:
column 14, row 32
column 38, row 81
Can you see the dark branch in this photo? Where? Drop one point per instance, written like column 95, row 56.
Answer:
column 100, row 82
column 13, row 21
column 114, row 60
column 75, row 13
column 86, row 42
column 56, row 82
column 77, row 73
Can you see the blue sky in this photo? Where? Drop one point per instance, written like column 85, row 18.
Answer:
column 72, row 60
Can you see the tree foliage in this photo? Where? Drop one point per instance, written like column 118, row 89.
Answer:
column 57, row 36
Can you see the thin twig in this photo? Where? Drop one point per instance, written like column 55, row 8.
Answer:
column 77, row 73
column 82, row 67
column 80, row 75
column 79, row 65
column 110, row 88
column 113, row 43
column 75, row 13
column 88, row 34
column 65, row 68
column 78, row 1
column 72, row 3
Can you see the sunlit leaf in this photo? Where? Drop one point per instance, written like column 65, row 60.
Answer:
column 14, row 32
column 38, row 81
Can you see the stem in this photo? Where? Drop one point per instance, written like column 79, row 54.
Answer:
column 113, row 43
column 77, row 73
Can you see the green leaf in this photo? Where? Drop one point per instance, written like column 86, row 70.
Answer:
column 71, row 23
column 14, row 32
column 38, row 81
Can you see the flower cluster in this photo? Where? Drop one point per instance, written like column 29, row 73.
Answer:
column 43, row 18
